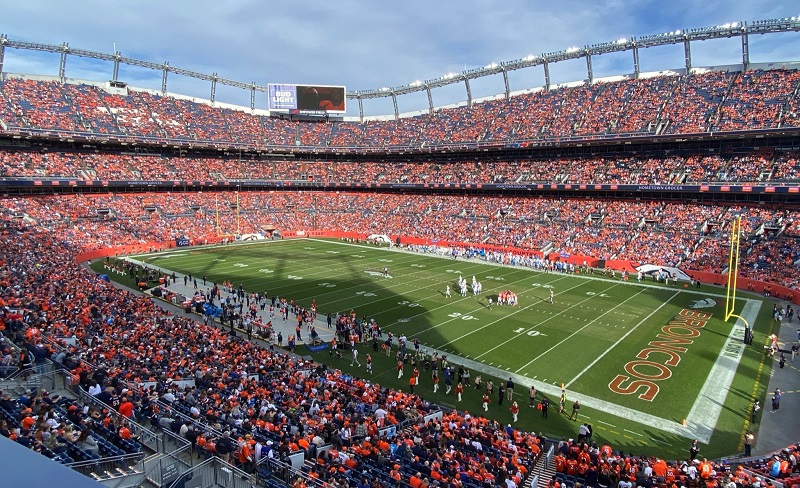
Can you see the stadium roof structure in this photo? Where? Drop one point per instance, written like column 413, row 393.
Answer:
column 633, row 44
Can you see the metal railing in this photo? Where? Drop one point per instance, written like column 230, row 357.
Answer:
column 43, row 376
column 111, row 467
column 171, row 465
column 144, row 435
column 215, row 472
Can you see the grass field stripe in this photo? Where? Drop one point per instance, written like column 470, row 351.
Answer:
column 606, row 423
column 510, row 315
column 632, row 432
column 202, row 254
column 408, row 283
column 387, row 283
column 587, row 368
column 694, row 291
column 579, row 330
column 437, row 294
column 283, row 283
column 460, row 299
column 708, row 405
column 532, row 327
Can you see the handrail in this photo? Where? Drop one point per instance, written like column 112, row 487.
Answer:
column 139, row 456
column 145, row 435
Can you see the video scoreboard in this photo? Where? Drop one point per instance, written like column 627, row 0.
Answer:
column 307, row 99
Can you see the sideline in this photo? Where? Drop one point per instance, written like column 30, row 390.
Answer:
column 706, row 409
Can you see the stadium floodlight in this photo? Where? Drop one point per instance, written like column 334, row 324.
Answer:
column 529, row 57
column 416, row 83
column 384, row 88
column 491, row 65
column 571, row 50
column 622, row 40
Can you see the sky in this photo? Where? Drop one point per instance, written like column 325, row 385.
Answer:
column 372, row 44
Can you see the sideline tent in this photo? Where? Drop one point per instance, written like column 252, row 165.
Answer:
column 652, row 270
column 379, row 239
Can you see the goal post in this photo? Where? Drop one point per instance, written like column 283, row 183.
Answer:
column 733, row 271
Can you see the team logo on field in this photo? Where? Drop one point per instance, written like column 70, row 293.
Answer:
column 704, row 303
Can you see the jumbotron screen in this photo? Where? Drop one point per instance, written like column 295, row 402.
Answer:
column 307, row 98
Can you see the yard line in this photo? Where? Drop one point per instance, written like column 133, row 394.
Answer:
column 386, row 284
column 389, row 285
column 632, row 432
column 503, row 285
column 577, row 331
column 606, row 423
column 483, row 308
column 587, row 368
column 531, row 328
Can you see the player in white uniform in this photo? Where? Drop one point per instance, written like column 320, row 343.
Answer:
column 447, row 291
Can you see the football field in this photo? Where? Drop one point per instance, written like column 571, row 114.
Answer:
column 652, row 365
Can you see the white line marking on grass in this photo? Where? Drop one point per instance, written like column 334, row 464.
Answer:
column 470, row 312
column 606, row 423
column 577, row 331
column 708, row 405
column 509, row 315
column 587, row 368
column 632, row 432
column 660, row 442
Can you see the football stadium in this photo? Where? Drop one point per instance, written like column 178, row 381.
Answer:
column 576, row 284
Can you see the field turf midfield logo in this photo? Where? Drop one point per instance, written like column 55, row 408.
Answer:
column 704, row 303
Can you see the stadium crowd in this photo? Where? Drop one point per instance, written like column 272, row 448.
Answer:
column 247, row 400
column 692, row 236
column 759, row 166
column 241, row 391
column 668, row 103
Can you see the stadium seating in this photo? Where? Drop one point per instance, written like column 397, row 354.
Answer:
column 42, row 233
column 670, row 104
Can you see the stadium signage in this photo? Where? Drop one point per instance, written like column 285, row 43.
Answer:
column 307, row 99
column 653, row 363
column 662, row 187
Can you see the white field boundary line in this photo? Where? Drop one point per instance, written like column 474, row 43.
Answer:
column 587, row 325
column 707, row 407
column 701, row 420
column 587, row 368
column 522, row 309
column 554, row 390
column 693, row 291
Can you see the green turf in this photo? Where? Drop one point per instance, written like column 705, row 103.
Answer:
column 584, row 339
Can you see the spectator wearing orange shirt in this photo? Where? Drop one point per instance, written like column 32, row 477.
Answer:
column 126, row 408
